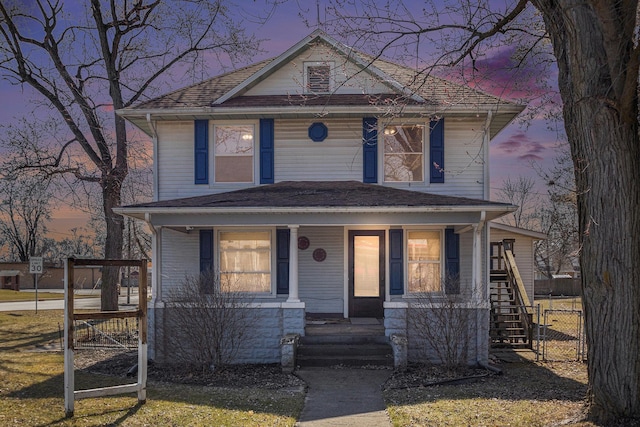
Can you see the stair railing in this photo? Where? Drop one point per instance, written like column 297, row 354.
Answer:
column 520, row 294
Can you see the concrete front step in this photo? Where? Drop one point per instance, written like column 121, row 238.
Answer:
column 347, row 354
column 344, row 329
column 345, row 344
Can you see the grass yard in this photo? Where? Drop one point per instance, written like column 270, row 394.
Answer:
column 31, row 389
column 527, row 394
column 31, row 393
column 559, row 303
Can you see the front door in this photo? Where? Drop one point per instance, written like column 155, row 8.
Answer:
column 366, row 273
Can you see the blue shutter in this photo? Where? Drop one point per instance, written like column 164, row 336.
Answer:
column 201, row 150
column 266, row 151
column 396, row 262
column 282, row 261
column 452, row 261
column 370, row 150
column 436, row 151
column 206, row 250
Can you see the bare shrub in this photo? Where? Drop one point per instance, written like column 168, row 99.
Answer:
column 206, row 321
column 440, row 325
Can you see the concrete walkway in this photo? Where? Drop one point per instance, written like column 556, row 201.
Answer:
column 344, row 397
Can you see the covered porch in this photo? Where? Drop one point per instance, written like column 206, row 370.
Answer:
column 336, row 250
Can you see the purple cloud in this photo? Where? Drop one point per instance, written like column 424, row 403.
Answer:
column 522, row 146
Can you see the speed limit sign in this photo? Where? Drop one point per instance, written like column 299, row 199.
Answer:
column 35, row 265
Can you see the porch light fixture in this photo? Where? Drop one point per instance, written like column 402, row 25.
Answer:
column 390, row 130
column 247, row 136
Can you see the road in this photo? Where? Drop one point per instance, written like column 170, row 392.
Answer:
column 92, row 303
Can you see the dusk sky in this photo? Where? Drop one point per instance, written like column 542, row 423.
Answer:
column 512, row 151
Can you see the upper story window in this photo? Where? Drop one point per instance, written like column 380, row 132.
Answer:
column 424, row 255
column 404, row 153
column 317, row 77
column 245, row 261
column 233, row 153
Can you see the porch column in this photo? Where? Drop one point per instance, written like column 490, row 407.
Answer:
column 476, row 266
column 293, row 264
column 156, row 264
column 476, row 272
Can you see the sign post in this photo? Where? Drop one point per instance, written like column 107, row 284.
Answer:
column 35, row 267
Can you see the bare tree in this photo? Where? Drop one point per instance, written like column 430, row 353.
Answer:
column 79, row 245
column 595, row 45
column 207, row 321
column 26, row 196
column 558, row 217
column 520, row 192
column 24, row 211
column 92, row 58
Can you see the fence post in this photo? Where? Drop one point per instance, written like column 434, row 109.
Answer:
column 538, row 334
column 69, row 380
column 142, row 332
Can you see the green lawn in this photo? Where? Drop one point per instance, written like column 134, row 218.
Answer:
column 31, row 389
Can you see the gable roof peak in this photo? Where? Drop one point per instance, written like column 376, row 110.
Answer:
column 348, row 52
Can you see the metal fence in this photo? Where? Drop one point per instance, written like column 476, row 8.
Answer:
column 106, row 333
column 558, row 333
column 561, row 334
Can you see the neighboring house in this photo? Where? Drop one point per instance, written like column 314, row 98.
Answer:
column 52, row 276
column 523, row 250
column 323, row 183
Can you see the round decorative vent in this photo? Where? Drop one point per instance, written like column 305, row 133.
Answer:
column 303, row 243
column 319, row 255
column 318, row 132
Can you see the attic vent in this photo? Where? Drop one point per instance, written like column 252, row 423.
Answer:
column 318, row 78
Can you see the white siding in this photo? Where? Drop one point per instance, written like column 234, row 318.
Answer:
column 180, row 258
column 290, row 78
column 463, row 161
column 322, row 283
column 523, row 251
column 175, row 160
column 338, row 158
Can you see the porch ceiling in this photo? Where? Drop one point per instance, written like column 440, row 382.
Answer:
column 312, row 198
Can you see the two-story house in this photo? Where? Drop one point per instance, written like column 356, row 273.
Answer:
column 323, row 183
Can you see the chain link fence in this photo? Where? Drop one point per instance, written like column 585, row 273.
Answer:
column 559, row 331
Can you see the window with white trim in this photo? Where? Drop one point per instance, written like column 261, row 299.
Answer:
column 233, row 153
column 404, row 153
column 245, row 260
column 317, row 77
column 424, row 259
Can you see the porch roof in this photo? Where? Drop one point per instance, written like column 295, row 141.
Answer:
column 318, row 197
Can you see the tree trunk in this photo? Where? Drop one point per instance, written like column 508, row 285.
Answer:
column 598, row 81
column 111, row 187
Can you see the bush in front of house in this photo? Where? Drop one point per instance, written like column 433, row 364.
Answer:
column 206, row 321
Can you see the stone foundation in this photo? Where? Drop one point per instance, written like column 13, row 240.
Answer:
column 261, row 344
column 398, row 326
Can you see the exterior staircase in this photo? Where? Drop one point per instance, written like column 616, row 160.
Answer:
column 511, row 312
column 340, row 342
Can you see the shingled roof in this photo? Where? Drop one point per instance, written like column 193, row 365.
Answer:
column 223, row 96
column 321, row 194
column 201, row 94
